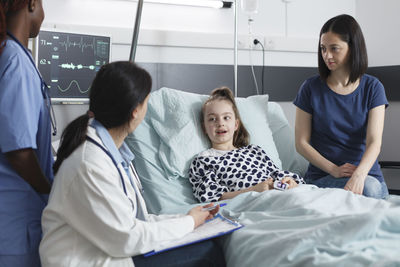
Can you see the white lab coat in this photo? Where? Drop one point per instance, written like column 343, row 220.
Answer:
column 89, row 220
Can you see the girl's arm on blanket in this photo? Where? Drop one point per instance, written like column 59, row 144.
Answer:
column 278, row 174
column 261, row 187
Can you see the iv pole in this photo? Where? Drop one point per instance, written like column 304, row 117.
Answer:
column 235, row 56
column 136, row 31
column 235, row 48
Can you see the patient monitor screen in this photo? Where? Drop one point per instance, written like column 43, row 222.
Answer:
column 69, row 62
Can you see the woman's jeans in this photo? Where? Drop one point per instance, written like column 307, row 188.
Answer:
column 372, row 187
column 204, row 254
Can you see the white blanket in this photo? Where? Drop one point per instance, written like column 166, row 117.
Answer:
column 309, row 226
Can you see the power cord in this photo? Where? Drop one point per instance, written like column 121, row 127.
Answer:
column 252, row 72
column 250, row 22
column 256, row 42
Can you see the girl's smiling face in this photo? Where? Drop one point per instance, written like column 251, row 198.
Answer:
column 220, row 124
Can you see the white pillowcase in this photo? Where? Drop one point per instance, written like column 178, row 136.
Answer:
column 175, row 117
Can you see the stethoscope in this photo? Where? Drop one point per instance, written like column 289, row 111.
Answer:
column 43, row 84
column 139, row 185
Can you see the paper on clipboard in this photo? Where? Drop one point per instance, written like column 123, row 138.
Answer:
column 215, row 227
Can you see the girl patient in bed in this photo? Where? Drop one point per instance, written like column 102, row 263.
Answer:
column 232, row 166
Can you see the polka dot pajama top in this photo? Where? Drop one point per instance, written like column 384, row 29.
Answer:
column 214, row 172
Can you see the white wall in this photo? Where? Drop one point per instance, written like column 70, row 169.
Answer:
column 201, row 35
column 380, row 22
column 177, row 34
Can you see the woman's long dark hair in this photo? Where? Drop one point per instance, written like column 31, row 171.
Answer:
column 116, row 91
column 7, row 7
column 241, row 135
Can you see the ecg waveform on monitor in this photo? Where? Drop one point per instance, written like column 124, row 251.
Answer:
column 69, row 61
column 72, row 66
column 81, row 44
column 70, row 85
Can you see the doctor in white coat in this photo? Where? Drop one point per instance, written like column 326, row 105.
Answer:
column 96, row 215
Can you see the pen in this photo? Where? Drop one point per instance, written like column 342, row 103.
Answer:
column 213, row 207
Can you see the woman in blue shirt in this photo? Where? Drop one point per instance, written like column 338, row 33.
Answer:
column 340, row 114
column 25, row 137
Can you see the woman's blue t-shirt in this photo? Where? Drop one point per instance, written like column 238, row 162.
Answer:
column 339, row 122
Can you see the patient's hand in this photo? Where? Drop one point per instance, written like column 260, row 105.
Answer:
column 290, row 181
column 263, row 186
column 345, row 170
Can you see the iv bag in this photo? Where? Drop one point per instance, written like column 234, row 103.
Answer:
column 249, row 6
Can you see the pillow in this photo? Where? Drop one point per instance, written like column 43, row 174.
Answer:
column 284, row 140
column 159, row 193
column 175, row 117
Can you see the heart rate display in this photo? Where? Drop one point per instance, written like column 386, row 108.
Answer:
column 81, row 44
column 69, row 62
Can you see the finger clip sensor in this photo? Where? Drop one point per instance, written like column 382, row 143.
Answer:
column 280, row 186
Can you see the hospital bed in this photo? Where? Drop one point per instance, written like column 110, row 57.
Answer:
column 305, row 226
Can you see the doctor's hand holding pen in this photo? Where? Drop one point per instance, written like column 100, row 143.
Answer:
column 202, row 213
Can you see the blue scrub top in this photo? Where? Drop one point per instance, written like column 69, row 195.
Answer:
column 25, row 123
column 339, row 122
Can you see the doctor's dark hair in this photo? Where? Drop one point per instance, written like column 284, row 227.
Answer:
column 350, row 32
column 241, row 135
column 116, row 91
column 7, row 7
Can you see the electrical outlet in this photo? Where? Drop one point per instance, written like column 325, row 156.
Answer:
column 247, row 42
column 269, row 43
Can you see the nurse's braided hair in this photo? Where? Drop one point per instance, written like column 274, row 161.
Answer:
column 117, row 89
column 6, row 7
column 241, row 136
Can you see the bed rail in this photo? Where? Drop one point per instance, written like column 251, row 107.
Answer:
column 394, row 165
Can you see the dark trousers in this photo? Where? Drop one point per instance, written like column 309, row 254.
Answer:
column 25, row 260
column 204, row 254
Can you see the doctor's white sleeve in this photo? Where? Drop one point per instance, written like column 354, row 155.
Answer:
column 97, row 208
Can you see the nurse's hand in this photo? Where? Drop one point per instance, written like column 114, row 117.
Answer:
column 200, row 216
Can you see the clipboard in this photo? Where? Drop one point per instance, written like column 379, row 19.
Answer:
column 215, row 227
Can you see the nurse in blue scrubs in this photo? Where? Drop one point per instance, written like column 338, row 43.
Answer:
column 25, row 136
